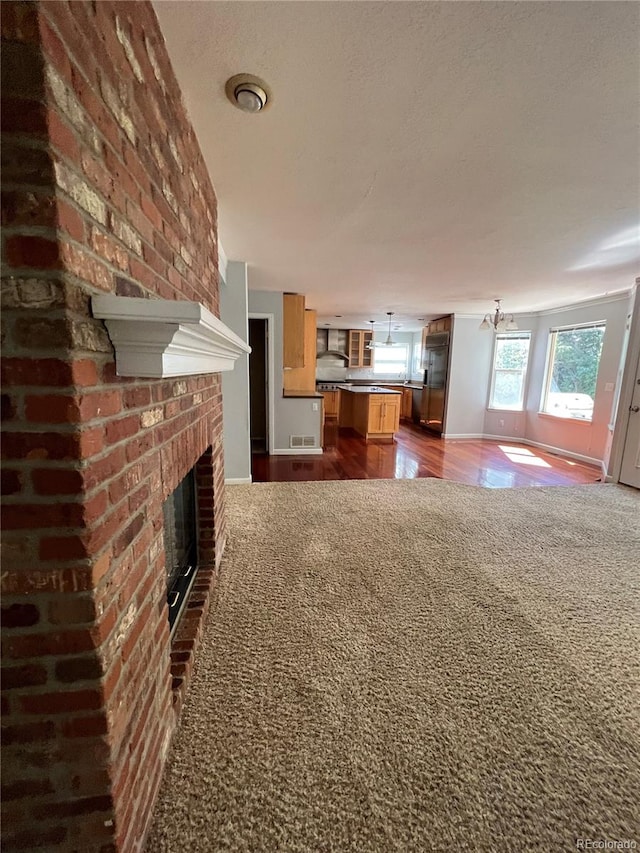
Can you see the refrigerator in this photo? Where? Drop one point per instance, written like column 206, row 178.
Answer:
column 434, row 392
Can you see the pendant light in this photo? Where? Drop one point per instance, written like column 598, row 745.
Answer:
column 370, row 345
column 389, row 342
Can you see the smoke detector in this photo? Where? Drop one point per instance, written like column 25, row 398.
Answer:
column 248, row 93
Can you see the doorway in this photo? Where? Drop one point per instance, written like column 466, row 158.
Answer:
column 630, row 469
column 259, row 385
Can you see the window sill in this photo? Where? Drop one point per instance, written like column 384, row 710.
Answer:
column 565, row 419
column 498, row 409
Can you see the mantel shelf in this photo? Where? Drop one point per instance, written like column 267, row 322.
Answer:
column 161, row 338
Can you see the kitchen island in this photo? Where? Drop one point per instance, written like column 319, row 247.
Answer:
column 370, row 410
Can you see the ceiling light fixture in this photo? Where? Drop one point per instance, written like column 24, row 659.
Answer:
column 248, row 93
column 499, row 322
column 389, row 342
column 370, row 345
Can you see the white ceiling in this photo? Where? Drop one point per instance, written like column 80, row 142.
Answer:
column 421, row 157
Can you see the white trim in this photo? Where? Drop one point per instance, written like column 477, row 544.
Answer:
column 558, row 451
column 597, row 300
column 160, row 338
column 238, row 481
column 271, row 374
column 222, row 264
column 626, row 385
column 463, row 435
column 563, row 419
column 297, row 451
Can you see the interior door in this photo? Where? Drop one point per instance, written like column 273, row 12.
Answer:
column 630, row 470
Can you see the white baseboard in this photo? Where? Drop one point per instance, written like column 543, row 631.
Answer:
column 297, row 451
column 463, row 435
column 238, row 481
column 549, row 448
column 560, row 451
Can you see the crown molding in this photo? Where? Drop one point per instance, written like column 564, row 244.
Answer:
column 161, row 338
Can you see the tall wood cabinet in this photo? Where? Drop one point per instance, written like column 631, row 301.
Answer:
column 359, row 355
column 293, row 330
column 304, row 378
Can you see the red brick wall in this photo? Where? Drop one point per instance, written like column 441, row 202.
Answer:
column 104, row 190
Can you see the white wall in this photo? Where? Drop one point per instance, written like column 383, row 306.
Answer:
column 470, row 352
column 235, row 383
column 499, row 422
column 583, row 438
column 291, row 416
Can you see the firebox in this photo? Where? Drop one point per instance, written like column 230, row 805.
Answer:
column 181, row 545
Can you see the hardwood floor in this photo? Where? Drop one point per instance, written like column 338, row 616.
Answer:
column 417, row 453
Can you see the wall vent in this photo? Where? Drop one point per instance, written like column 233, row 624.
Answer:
column 302, row 441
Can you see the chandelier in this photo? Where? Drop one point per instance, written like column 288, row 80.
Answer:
column 499, row 322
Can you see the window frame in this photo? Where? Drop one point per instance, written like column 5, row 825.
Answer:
column 548, row 374
column 521, row 333
column 406, row 364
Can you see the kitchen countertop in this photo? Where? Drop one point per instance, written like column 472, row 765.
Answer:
column 413, row 386
column 367, row 389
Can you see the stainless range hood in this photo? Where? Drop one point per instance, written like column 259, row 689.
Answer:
column 332, row 343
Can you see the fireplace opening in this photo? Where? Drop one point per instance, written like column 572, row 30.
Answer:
column 181, row 545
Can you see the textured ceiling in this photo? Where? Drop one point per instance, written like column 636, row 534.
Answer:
column 421, row 157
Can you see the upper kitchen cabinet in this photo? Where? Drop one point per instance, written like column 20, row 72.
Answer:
column 441, row 324
column 304, row 378
column 359, row 354
column 293, row 323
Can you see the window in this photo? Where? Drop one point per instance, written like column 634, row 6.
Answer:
column 417, row 358
column 572, row 371
column 510, row 358
column 391, row 361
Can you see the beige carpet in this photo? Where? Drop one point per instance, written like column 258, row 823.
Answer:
column 414, row 666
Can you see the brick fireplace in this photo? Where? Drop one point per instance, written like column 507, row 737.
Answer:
column 104, row 191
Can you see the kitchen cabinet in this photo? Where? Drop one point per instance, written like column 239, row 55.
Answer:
column 293, row 330
column 359, row 355
column 406, row 401
column 442, row 324
column 331, row 404
column 373, row 415
column 304, row 378
column 384, row 415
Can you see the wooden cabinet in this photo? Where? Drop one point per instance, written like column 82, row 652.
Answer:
column 304, row 378
column 406, row 401
column 442, row 324
column 370, row 415
column 331, row 404
column 293, row 330
column 359, row 355
column 383, row 415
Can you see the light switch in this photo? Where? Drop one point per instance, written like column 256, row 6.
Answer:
column 609, row 387
column 314, row 406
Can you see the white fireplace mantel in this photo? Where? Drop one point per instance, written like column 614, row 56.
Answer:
column 160, row 338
